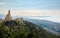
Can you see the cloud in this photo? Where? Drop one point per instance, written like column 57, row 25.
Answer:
column 33, row 12
column 36, row 12
column 2, row 3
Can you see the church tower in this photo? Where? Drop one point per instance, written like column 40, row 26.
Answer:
column 8, row 16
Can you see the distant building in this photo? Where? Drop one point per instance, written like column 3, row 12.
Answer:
column 1, row 20
column 20, row 20
column 8, row 17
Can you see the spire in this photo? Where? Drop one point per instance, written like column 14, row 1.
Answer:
column 8, row 11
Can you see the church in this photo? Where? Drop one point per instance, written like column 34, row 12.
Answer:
column 9, row 18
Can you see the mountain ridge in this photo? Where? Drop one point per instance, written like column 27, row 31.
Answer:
column 51, row 26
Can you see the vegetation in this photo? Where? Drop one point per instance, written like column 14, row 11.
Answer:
column 14, row 29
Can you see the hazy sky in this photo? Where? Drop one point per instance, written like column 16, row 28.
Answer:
column 31, row 7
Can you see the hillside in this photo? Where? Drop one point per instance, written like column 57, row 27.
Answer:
column 51, row 26
column 14, row 29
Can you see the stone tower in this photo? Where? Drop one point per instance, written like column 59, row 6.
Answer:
column 8, row 16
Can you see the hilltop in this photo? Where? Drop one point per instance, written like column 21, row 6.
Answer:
column 15, row 29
